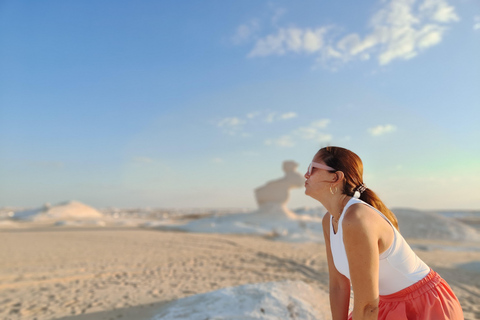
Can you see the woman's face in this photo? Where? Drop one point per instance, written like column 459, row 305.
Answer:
column 318, row 182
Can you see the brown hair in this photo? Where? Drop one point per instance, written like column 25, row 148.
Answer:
column 352, row 167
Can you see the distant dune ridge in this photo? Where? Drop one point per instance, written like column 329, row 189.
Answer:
column 431, row 225
column 304, row 227
column 301, row 225
column 62, row 211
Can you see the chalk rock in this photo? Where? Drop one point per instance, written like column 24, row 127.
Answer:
column 431, row 225
column 63, row 211
column 266, row 301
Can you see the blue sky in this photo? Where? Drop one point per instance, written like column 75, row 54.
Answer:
column 196, row 103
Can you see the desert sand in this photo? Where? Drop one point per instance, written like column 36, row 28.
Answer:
column 92, row 272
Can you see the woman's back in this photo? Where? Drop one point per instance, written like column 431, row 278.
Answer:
column 399, row 266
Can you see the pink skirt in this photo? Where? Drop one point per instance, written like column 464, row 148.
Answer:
column 429, row 299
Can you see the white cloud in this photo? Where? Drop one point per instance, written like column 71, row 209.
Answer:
column 382, row 129
column 311, row 132
column 231, row 125
column 288, row 115
column 245, row 32
column 306, row 133
column 438, row 10
column 322, row 123
column 476, row 23
column 236, row 125
column 283, row 141
column 230, row 122
column 290, row 40
column 217, row 160
column 252, row 115
column 273, row 116
column 400, row 29
column 270, row 117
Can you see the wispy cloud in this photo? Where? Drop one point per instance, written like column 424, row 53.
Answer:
column 321, row 124
column 217, row 160
column 270, row 117
column 382, row 129
column 476, row 23
column 400, row 29
column 230, row 122
column 245, row 32
column 231, row 125
column 290, row 40
column 252, row 115
column 239, row 125
column 288, row 115
column 310, row 132
column 283, row 141
column 278, row 13
column 273, row 116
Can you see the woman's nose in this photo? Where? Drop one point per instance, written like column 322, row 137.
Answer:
column 306, row 175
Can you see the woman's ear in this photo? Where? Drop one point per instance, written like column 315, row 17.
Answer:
column 339, row 176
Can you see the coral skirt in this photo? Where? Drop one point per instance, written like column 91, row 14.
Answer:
column 429, row 299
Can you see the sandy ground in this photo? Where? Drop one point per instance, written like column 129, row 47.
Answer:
column 99, row 273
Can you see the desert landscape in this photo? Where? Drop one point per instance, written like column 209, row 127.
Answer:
column 71, row 261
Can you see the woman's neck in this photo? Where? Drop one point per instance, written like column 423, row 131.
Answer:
column 335, row 205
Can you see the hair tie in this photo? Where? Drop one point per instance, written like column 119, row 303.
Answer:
column 362, row 187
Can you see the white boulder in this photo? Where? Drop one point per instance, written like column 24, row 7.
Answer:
column 273, row 300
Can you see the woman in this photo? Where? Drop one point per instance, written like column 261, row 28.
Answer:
column 366, row 250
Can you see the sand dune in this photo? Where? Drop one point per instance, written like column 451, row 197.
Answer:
column 106, row 273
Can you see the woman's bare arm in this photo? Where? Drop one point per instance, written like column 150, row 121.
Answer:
column 339, row 285
column 360, row 236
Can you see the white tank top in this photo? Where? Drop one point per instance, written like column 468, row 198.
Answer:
column 399, row 266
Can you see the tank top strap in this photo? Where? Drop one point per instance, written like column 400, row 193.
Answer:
column 349, row 203
column 355, row 200
column 387, row 252
column 340, row 220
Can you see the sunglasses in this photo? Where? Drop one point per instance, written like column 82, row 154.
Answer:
column 319, row 166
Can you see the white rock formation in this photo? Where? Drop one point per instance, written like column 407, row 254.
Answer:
column 431, row 225
column 272, row 219
column 71, row 210
column 267, row 301
column 272, row 197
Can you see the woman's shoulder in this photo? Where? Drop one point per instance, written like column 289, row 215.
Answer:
column 359, row 215
column 360, row 226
